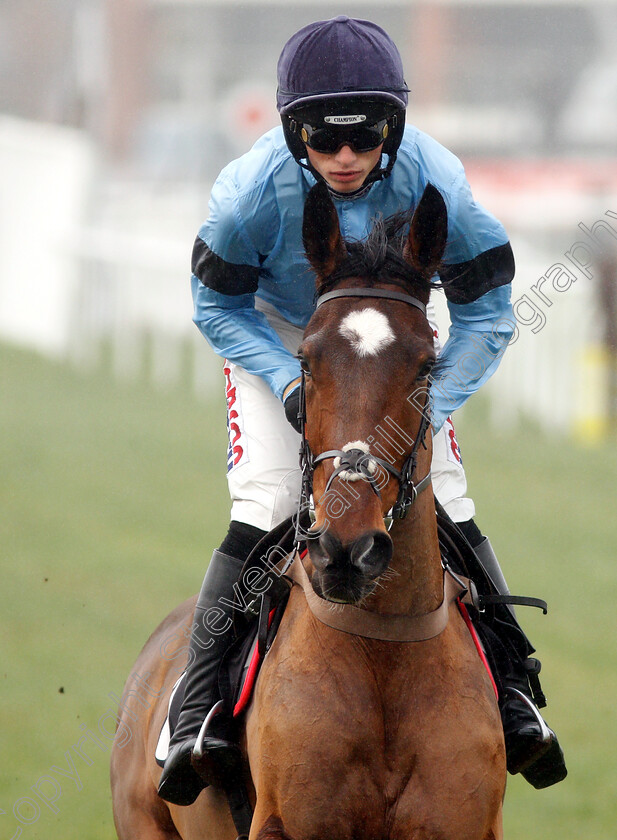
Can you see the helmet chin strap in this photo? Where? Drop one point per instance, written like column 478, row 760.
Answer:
column 376, row 174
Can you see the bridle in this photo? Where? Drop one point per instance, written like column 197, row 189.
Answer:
column 357, row 462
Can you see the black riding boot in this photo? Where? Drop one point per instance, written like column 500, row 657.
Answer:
column 211, row 636
column 532, row 748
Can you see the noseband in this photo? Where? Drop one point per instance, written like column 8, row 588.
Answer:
column 354, row 462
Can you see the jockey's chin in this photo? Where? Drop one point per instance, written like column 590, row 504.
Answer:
column 344, row 170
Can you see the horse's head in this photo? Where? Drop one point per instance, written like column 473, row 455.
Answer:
column 366, row 361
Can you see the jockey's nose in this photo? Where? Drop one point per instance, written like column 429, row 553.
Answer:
column 345, row 154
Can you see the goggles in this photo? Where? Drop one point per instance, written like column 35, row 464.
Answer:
column 329, row 139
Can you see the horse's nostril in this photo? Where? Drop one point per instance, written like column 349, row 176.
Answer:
column 361, row 549
column 371, row 553
column 326, row 550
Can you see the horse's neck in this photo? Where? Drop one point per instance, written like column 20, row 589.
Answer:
column 418, row 585
column 414, row 584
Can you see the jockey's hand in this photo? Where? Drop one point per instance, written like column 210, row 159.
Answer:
column 292, row 407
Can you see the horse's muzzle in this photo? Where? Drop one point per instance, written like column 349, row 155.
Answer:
column 347, row 573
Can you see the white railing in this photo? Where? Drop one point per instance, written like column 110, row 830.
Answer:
column 543, row 374
column 133, row 301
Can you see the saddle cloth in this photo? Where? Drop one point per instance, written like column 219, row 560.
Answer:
column 237, row 677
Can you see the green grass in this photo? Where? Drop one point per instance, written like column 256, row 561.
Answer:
column 113, row 496
column 112, row 499
column 547, row 504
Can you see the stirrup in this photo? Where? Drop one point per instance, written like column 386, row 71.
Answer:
column 545, row 732
column 216, row 760
column 225, row 772
column 526, row 734
column 179, row 783
column 222, row 765
column 544, row 765
column 198, row 749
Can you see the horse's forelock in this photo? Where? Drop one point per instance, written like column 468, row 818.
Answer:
column 379, row 257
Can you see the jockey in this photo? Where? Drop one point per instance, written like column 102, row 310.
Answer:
column 342, row 98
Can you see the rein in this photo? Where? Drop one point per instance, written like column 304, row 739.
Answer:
column 356, row 462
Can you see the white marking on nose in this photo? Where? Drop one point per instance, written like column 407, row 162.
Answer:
column 371, row 465
column 368, row 330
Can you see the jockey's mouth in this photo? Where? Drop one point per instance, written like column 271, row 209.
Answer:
column 346, row 175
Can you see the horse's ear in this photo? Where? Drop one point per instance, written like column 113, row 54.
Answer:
column 321, row 232
column 428, row 232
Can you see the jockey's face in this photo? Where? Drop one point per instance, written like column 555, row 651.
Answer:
column 344, row 170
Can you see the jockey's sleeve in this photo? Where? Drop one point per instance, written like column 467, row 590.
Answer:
column 479, row 334
column 240, row 333
column 478, row 256
column 477, row 274
column 226, row 264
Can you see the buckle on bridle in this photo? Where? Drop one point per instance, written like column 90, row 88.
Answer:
column 407, row 496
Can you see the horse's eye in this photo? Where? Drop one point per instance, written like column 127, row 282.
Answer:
column 304, row 366
column 426, row 368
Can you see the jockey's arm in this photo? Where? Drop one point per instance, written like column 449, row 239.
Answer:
column 477, row 277
column 479, row 334
column 240, row 333
column 225, row 277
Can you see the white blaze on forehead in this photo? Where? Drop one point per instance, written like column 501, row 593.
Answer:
column 368, row 330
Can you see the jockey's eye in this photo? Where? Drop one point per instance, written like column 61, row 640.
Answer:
column 426, row 369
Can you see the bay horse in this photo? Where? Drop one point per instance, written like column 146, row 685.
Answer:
column 359, row 728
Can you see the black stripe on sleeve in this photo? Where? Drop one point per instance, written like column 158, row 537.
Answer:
column 221, row 276
column 467, row 281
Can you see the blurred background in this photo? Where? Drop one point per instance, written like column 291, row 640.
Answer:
column 115, row 118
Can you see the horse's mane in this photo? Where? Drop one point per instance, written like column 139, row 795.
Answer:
column 379, row 257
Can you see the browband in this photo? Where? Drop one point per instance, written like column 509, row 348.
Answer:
column 374, row 293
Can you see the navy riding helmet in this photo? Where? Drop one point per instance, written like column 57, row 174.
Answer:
column 341, row 81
